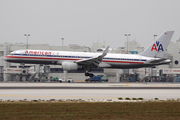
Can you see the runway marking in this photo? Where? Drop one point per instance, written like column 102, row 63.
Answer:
column 64, row 97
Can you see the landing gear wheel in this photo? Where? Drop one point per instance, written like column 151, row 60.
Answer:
column 86, row 74
column 91, row 75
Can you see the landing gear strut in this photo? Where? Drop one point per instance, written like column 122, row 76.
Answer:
column 23, row 68
column 23, row 65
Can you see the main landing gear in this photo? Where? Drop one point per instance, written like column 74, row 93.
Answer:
column 88, row 71
column 89, row 74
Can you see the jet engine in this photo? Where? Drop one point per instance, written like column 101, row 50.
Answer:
column 67, row 66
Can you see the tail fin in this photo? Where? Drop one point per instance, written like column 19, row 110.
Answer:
column 158, row 47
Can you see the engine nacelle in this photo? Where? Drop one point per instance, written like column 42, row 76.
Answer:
column 67, row 66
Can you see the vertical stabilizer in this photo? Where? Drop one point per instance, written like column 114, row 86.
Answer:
column 158, row 47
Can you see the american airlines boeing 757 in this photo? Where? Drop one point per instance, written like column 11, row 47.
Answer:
column 151, row 56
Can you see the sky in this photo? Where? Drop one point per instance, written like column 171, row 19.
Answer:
column 83, row 22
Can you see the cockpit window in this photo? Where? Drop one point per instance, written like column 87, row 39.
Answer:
column 11, row 53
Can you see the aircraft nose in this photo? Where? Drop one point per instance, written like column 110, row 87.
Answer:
column 5, row 59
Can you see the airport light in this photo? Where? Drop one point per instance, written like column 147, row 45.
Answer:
column 127, row 34
column 62, row 41
column 156, row 66
column 155, row 37
column 27, row 39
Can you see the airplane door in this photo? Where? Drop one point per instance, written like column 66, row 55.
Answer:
column 140, row 58
column 21, row 54
column 53, row 58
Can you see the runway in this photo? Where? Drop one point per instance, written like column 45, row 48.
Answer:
column 32, row 91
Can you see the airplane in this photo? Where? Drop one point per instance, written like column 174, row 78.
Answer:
column 150, row 57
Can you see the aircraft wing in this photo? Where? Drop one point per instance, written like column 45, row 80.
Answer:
column 95, row 61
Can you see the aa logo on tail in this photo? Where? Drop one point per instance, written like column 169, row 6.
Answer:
column 157, row 47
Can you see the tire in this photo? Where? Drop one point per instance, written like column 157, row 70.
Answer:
column 91, row 75
column 86, row 74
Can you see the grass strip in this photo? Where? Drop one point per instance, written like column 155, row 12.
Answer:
column 155, row 110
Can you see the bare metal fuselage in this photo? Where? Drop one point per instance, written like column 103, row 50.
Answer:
column 121, row 61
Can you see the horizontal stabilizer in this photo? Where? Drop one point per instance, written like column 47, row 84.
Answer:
column 157, row 60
